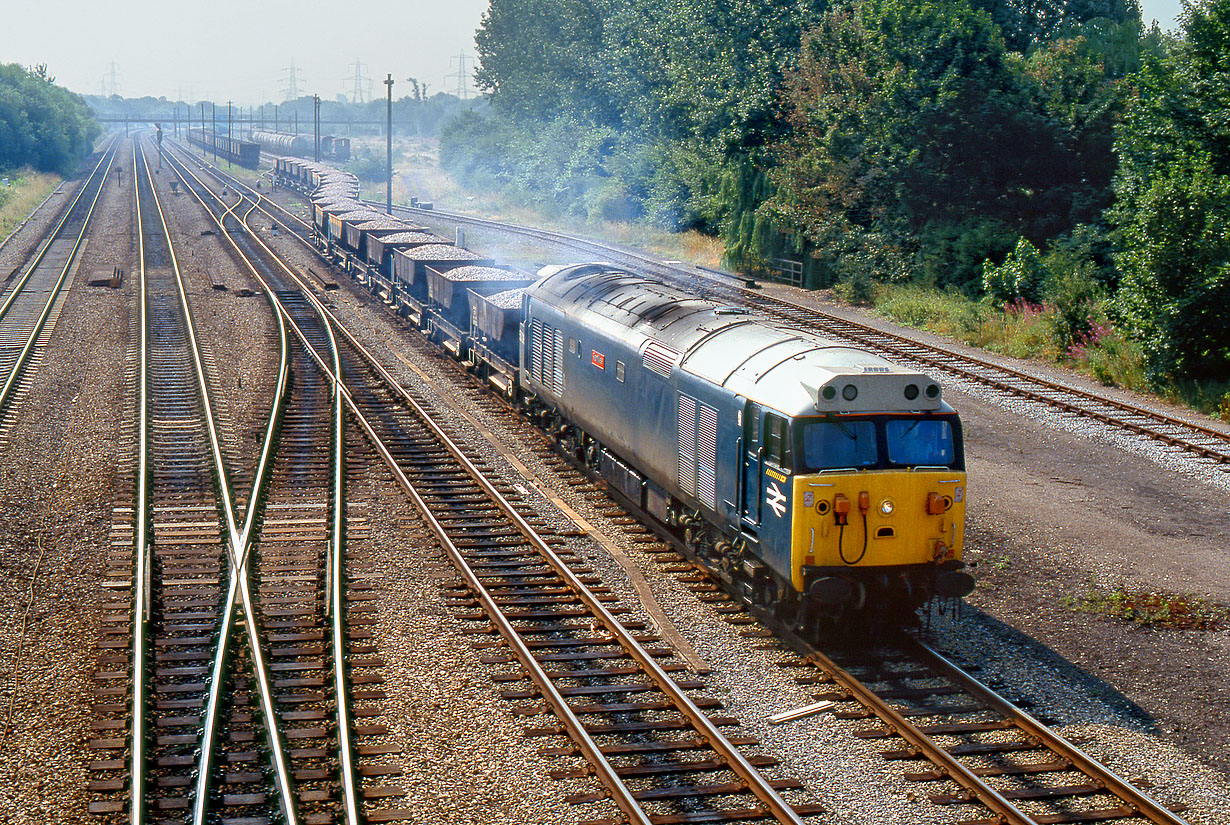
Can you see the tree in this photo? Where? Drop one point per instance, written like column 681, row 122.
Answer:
column 41, row 124
column 1172, row 196
column 915, row 127
column 1026, row 23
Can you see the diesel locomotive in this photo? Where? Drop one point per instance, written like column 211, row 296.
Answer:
column 819, row 478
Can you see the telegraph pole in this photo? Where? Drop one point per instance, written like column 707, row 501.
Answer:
column 202, row 130
column 213, row 114
column 228, row 134
column 316, row 123
column 388, row 130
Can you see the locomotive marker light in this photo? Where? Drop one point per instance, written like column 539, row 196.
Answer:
column 887, row 507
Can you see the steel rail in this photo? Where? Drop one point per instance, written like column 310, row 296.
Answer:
column 7, row 389
column 336, row 549
column 979, row 791
column 737, row 762
column 785, row 307
column 336, row 546
column 1111, row 781
column 1008, row 813
column 16, row 290
column 141, row 573
column 603, row 769
column 238, row 543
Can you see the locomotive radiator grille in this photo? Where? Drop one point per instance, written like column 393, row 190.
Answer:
column 659, row 358
column 687, row 444
column 536, row 350
column 557, row 372
column 706, row 455
column 698, row 450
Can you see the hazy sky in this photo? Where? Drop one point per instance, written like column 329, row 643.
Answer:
column 231, row 49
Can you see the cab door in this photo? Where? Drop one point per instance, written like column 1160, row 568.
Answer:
column 751, row 462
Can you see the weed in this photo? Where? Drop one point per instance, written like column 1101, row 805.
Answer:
column 1147, row 608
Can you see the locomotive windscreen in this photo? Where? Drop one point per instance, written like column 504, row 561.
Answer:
column 879, row 442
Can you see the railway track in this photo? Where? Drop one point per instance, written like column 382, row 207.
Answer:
column 656, row 752
column 998, row 756
column 1205, row 442
column 298, row 554
column 31, row 297
column 188, row 544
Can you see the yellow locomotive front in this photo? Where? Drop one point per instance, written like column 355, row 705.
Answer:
column 879, row 508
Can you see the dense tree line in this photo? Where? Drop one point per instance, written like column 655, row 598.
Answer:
column 42, row 125
column 1029, row 150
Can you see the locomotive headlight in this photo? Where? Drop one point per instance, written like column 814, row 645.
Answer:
column 887, row 507
column 829, row 393
column 849, row 392
column 933, row 390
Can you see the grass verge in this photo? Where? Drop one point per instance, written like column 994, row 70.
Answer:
column 1042, row 332
column 26, row 190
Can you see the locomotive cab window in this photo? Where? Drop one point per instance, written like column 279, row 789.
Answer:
column 776, row 440
column 878, row 442
column 923, row 441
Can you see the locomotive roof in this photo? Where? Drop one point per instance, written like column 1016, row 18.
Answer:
column 792, row 370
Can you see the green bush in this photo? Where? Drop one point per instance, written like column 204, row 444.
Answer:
column 1074, row 298
column 856, row 288
column 42, row 125
column 1021, row 277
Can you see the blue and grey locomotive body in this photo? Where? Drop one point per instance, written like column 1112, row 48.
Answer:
column 800, row 465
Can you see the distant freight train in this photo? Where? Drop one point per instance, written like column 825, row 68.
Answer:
column 332, row 147
column 238, row 151
column 821, row 480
